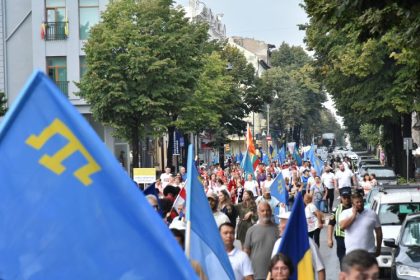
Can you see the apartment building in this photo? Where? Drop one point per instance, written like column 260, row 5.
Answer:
column 49, row 35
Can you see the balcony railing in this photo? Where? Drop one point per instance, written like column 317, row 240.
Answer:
column 56, row 31
column 63, row 86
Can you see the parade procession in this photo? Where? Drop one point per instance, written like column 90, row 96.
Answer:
column 210, row 140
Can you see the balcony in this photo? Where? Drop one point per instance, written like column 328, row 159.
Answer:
column 56, row 31
column 63, row 86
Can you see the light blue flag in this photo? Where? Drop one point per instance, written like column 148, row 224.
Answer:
column 206, row 246
column 265, row 159
column 310, row 153
column 282, row 154
column 297, row 157
column 247, row 166
column 67, row 208
column 278, row 189
column 317, row 164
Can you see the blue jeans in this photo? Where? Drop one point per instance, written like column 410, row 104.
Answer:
column 318, row 204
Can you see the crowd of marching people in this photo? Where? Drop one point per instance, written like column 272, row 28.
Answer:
column 248, row 215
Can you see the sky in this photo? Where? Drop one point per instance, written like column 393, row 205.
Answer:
column 271, row 21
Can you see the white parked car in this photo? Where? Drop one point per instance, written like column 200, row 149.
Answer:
column 392, row 204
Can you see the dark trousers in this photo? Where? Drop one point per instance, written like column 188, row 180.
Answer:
column 341, row 248
column 315, row 235
column 330, row 199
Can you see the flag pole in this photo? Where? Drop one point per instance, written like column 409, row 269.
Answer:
column 188, row 239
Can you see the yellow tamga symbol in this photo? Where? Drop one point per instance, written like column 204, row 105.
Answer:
column 54, row 163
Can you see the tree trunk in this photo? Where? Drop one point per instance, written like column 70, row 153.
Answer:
column 397, row 146
column 171, row 131
column 135, row 143
column 406, row 133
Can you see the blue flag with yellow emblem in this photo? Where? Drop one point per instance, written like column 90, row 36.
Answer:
column 278, row 189
column 295, row 242
column 67, row 208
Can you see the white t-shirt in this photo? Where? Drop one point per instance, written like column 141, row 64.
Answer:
column 311, row 218
column 241, row 264
column 359, row 235
column 311, row 182
column 327, row 179
column 251, row 186
column 344, row 178
column 164, row 178
column 317, row 262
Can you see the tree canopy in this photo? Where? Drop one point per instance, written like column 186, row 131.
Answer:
column 296, row 110
column 143, row 62
column 367, row 57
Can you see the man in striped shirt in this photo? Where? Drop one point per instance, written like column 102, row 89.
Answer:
column 334, row 227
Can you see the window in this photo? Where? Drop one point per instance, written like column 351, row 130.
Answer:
column 56, row 27
column 394, row 214
column 82, row 66
column 57, row 71
column 88, row 16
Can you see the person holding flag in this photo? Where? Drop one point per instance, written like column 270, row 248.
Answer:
column 203, row 242
column 295, row 243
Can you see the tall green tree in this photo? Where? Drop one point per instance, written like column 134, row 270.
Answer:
column 143, row 60
column 295, row 93
column 366, row 53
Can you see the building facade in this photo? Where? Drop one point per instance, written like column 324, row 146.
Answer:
column 49, row 35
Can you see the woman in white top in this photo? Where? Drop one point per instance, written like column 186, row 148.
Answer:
column 366, row 184
column 313, row 218
column 252, row 185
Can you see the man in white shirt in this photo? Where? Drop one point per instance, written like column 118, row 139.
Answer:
column 165, row 177
column 327, row 179
column 359, row 225
column 343, row 178
column 241, row 264
column 319, row 268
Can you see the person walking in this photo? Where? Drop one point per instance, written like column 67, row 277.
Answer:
column 334, row 227
column 241, row 264
column 327, row 179
column 359, row 225
column 247, row 211
column 313, row 218
column 259, row 241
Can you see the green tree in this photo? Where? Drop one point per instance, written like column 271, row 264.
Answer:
column 367, row 58
column 143, row 60
column 295, row 93
column 3, row 104
column 371, row 134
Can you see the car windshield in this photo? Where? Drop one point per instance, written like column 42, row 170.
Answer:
column 394, row 214
column 381, row 172
column 411, row 234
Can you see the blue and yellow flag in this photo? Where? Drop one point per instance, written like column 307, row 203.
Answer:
column 317, row 164
column 67, row 208
column 295, row 242
column 278, row 189
column 203, row 238
column 296, row 156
